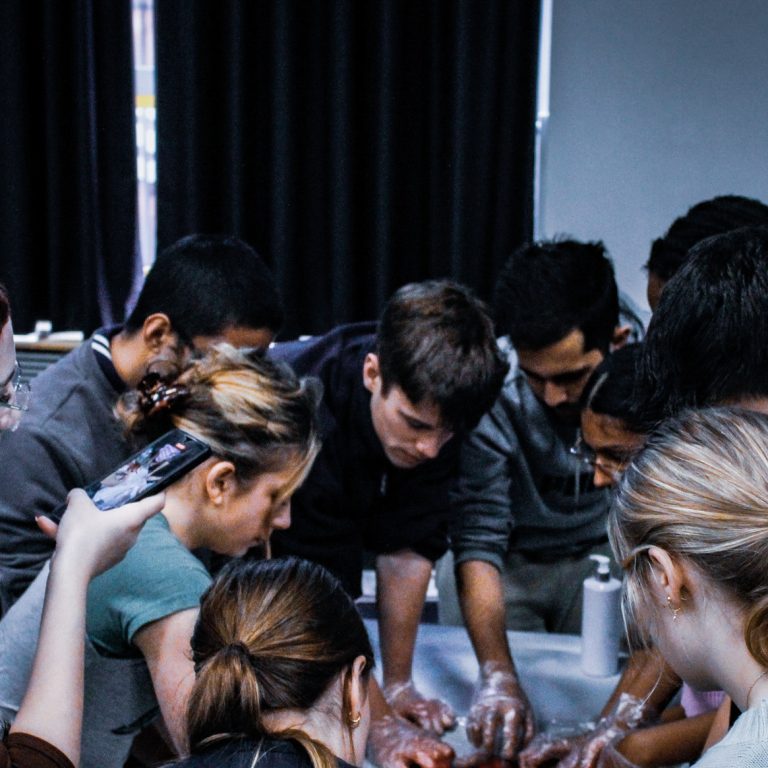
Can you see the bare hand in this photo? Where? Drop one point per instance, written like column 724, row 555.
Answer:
column 430, row 714
column 499, row 703
column 396, row 743
column 94, row 540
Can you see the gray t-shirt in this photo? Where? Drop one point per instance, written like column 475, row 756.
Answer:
column 745, row 745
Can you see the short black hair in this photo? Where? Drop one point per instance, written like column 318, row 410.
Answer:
column 611, row 390
column 5, row 306
column 548, row 289
column 206, row 284
column 706, row 219
column 436, row 342
column 707, row 342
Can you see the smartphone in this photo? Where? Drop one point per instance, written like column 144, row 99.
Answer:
column 149, row 471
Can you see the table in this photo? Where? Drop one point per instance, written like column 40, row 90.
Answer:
column 548, row 666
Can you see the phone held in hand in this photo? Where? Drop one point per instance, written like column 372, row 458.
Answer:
column 150, row 470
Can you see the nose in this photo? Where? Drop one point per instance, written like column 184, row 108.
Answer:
column 554, row 394
column 282, row 519
column 429, row 446
column 602, row 479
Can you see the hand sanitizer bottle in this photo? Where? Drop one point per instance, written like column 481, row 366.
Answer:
column 601, row 622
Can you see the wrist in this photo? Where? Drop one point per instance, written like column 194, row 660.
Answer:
column 68, row 572
column 499, row 669
column 393, row 688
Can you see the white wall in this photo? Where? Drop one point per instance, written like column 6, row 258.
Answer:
column 655, row 105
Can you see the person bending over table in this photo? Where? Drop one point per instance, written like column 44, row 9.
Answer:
column 690, row 527
column 397, row 398
column 282, row 670
column 259, row 421
column 612, row 432
column 527, row 514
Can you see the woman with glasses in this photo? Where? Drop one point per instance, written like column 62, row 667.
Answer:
column 612, row 432
column 260, row 423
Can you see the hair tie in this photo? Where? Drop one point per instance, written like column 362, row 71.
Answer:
column 157, row 394
column 238, row 649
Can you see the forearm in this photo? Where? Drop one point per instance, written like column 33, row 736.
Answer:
column 402, row 580
column 681, row 741
column 647, row 678
column 52, row 708
column 481, row 596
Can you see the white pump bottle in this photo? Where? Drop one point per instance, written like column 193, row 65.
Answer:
column 601, row 622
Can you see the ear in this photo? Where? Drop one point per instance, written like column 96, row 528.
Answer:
column 620, row 336
column 220, row 482
column 358, row 685
column 669, row 577
column 157, row 332
column 371, row 372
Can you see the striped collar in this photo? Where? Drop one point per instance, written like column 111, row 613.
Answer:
column 100, row 345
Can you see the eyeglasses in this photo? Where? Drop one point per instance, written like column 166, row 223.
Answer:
column 14, row 397
column 612, row 467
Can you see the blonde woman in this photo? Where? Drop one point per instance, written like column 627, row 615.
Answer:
column 282, row 662
column 690, row 527
column 259, row 421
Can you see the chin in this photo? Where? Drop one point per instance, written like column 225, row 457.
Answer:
column 402, row 459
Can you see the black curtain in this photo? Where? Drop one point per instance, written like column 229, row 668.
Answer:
column 357, row 144
column 67, row 146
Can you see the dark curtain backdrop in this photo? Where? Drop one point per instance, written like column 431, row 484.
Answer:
column 67, row 149
column 357, row 144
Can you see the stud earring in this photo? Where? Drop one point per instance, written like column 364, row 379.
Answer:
column 675, row 611
column 354, row 721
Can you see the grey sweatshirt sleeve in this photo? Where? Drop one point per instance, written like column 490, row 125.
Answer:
column 482, row 519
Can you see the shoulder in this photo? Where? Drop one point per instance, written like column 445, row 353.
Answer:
column 158, row 577
column 73, row 391
column 320, row 355
column 746, row 744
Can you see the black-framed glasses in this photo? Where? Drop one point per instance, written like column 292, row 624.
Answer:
column 613, row 467
column 15, row 395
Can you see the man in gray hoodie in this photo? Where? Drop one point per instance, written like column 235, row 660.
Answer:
column 527, row 513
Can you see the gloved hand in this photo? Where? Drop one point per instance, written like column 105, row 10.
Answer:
column 396, row 743
column 584, row 749
column 499, row 703
column 430, row 714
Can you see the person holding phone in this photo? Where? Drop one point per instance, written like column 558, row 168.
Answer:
column 259, row 420
column 46, row 733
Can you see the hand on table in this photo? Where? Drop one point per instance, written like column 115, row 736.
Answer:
column 430, row 714
column 584, row 750
column 499, row 703
column 93, row 539
column 396, row 743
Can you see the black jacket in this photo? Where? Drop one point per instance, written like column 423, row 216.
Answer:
column 354, row 499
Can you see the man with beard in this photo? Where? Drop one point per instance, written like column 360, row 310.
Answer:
column 527, row 513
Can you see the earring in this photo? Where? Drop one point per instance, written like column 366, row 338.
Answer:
column 675, row 611
column 354, row 721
